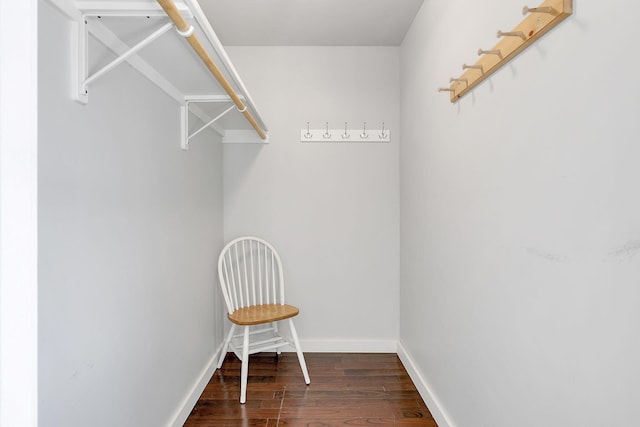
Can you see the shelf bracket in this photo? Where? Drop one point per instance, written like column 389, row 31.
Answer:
column 190, row 107
column 81, row 78
column 120, row 59
column 84, row 21
column 184, row 111
column 79, row 66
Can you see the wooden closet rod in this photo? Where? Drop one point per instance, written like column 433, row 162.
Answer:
column 187, row 31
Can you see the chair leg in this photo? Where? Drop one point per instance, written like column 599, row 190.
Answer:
column 303, row 364
column 274, row 325
column 225, row 346
column 245, row 366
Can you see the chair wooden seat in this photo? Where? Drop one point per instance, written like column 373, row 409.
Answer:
column 265, row 313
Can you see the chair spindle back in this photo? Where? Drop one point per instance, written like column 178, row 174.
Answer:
column 250, row 273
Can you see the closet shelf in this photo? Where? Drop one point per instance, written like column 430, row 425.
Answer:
column 153, row 37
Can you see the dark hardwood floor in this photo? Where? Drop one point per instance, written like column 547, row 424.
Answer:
column 345, row 390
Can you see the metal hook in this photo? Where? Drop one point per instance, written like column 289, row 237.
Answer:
column 490, row 52
column 326, row 134
column 476, row 67
column 364, row 134
column 383, row 134
column 445, row 89
column 546, row 9
column 345, row 135
column 308, row 135
column 512, row 34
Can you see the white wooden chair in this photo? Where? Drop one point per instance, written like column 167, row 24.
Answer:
column 252, row 283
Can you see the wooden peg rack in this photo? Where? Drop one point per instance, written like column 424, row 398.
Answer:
column 534, row 26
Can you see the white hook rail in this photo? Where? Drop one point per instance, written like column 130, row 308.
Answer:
column 345, row 134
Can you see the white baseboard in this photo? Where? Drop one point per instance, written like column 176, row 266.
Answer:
column 194, row 394
column 429, row 398
column 349, row 346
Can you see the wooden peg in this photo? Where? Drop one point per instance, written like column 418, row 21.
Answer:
column 490, row 52
column 475, row 67
column 512, row 34
column 445, row 89
column 466, row 81
column 546, row 9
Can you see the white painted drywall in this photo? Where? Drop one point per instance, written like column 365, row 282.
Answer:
column 18, row 214
column 520, row 218
column 331, row 210
column 130, row 228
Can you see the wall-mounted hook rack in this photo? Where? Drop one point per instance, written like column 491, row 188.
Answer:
column 538, row 21
column 345, row 134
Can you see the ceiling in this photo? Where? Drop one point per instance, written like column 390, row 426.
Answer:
column 311, row 22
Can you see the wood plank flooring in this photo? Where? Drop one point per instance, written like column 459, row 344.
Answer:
column 345, row 390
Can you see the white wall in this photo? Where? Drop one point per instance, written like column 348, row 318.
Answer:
column 331, row 210
column 130, row 227
column 18, row 214
column 520, row 221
